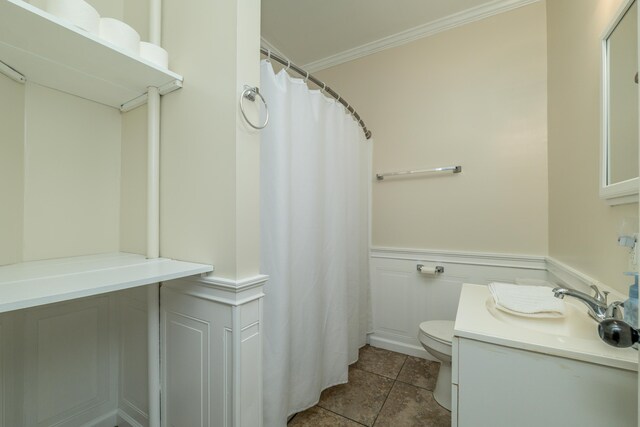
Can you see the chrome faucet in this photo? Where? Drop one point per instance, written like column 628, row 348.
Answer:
column 597, row 304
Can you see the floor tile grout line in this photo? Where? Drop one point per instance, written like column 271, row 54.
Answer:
column 389, row 392
column 387, row 396
column 343, row 416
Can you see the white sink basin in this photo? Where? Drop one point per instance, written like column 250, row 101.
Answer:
column 576, row 323
column 574, row 337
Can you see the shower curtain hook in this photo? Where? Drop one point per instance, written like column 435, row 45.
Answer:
column 288, row 64
column 307, row 77
column 338, row 98
column 268, row 55
column 324, row 86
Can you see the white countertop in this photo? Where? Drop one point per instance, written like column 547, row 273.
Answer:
column 475, row 321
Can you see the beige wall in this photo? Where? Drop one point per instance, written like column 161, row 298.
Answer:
column 61, row 183
column 72, row 175
column 11, row 170
column 474, row 96
column 582, row 228
column 209, row 158
column 85, row 164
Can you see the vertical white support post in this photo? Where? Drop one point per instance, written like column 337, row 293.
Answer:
column 153, row 173
column 153, row 251
column 153, row 225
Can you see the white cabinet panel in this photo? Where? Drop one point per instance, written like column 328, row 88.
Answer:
column 187, row 370
column 390, row 299
column 196, row 381
column 69, row 363
column 501, row 386
column 212, row 353
column 133, row 396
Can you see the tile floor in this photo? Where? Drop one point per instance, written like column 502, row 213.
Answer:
column 384, row 389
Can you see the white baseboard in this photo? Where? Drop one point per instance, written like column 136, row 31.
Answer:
column 107, row 420
column 124, row 420
column 399, row 347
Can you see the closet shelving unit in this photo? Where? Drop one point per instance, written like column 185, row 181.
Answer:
column 39, row 47
column 53, row 53
column 56, row 54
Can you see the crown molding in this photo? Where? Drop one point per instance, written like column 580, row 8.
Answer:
column 273, row 48
column 430, row 28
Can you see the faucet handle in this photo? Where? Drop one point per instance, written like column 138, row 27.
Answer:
column 598, row 296
column 614, row 311
column 606, row 296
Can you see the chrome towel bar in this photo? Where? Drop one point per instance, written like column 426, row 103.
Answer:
column 453, row 169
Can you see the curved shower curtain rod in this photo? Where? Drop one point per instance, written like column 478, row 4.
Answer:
column 290, row 66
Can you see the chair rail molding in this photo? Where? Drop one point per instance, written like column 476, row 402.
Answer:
column 488, row 259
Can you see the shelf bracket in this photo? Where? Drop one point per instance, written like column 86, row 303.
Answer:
column 170, row 87
column 11, row 73
column 142, row 99
column 134, row 103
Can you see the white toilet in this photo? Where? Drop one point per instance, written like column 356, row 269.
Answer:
column 436, row 337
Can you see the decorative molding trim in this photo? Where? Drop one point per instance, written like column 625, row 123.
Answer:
column 576, row 279
column 430, row 28
column 124, row 420
column 530, row 262
column 233, row 285
column 218, row 289
column 106, row 420
column 268, row 45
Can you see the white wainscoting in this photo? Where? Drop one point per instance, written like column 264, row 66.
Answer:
column 402, row 298
column 133, row 376
column 68, row 362
column 212, row 352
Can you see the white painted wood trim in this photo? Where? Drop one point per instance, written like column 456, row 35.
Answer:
column 233, row 285
column 268, row 45
column 31, row 284
column 530, row 262
column 399, row 347
column 124, row 420
column 430, row 28
column 221, row 290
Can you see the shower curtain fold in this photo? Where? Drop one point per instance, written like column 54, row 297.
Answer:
column 315, row 179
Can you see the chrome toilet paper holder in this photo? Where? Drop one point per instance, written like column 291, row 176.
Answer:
column 438, row 270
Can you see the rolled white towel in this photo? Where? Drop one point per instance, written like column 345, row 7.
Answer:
column 535, row 301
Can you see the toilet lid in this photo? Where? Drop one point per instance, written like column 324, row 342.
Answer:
column 442, row 330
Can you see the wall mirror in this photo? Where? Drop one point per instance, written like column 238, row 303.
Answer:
column 619, row 157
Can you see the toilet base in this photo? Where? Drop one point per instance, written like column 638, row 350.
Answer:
column 442, row 393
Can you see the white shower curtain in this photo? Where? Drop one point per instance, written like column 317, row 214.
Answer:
column 315, row 179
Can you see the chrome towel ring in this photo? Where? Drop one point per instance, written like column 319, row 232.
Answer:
column 251, row 93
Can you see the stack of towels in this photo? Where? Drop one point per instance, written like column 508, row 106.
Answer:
column 529, row 301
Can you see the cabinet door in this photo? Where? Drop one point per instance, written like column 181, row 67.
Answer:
column 500, row 386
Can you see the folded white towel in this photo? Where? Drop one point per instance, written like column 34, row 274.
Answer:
column 534, row 301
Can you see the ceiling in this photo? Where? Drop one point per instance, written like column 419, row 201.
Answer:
column 320, row 33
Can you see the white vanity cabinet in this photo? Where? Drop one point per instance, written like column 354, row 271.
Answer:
column 517, row 371
column 499, row 386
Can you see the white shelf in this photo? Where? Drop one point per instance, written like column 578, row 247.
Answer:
column 57, row 54
column 30, row 284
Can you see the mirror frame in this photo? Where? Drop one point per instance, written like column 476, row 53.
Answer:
column 625, row 191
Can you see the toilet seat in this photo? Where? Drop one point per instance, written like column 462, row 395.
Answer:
column 439, row 330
